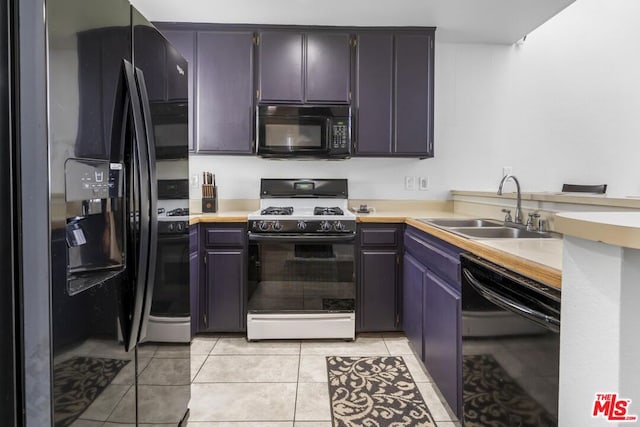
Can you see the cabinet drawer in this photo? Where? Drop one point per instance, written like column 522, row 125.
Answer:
column 439, row 257
column 224, row 237
column 379, row 237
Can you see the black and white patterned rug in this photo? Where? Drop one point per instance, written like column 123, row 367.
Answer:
column 375, row 392
column 78, row 382
column 511, row 406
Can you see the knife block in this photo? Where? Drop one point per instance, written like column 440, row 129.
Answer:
column 210, row 203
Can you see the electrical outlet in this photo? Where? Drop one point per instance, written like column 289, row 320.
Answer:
column 409, row 183
column 423, row 183
column 195, row 180
column 506, row 170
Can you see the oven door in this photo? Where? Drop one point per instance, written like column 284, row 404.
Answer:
column 301, row 287
column 301, row 274
column 171, row 290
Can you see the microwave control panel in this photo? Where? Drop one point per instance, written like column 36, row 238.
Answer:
column 340, row 134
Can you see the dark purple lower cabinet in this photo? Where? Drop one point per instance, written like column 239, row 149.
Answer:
column 413, row 278
column 432, row 316
column 225, row 275
column 378, row 290
column 223, row 278
column 378, row 277
column 194, row 279
column 442, row 338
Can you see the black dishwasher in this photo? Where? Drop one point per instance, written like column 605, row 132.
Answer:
column 510, row 347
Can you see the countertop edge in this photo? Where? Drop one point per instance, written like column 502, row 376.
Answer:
column 529, row 268
column 595, row 229
column 526, row 267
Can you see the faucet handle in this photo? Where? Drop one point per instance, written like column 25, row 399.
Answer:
column 507, row 216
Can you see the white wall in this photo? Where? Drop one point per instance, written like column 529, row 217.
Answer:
column 564, row 106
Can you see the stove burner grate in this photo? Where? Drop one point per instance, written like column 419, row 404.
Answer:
column 328, row 211
column 277, row 210
column 178, row 212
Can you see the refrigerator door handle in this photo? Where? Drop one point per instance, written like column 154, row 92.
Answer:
column 142, row 257
column 153, row 201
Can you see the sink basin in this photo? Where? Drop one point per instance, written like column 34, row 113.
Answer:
column 498, row 233
column 460, row 222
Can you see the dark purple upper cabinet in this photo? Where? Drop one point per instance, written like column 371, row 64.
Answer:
column 328, row 67
column 414, row 275
column 151, row 57
column 185, row 43
column 442, row 338
column 373, row 112
column 179, row 58
column 280, row 72
column 394, row 94
column 414, row 94
column 224, row 99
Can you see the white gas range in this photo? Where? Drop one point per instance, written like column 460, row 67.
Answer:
column 170, row 319
column 301, row 261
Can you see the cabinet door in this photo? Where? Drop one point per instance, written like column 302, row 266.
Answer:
column 442, row 338
column 225, row 277
column 280, row 77
column 374, row 68
column 184, row 42
column 182, row 48
column 414, row 94
column 378, row 289
column 151, row 57
column 328, row 67
column 224, row 100
column 413, row 277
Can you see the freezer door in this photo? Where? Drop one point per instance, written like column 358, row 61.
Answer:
column 93, row 374
column 10, row 401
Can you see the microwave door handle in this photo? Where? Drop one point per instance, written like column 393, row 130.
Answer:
column 152, row 199
column 549, row 322
column 141, row 165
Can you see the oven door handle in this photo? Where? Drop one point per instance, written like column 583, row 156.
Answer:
column 549, row 322
column 301, row 238
column 173, row 237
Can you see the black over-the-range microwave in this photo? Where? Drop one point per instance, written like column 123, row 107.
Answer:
column 299, row 131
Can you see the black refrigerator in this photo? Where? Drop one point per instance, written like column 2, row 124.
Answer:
column 10, row 392
column 85, row 356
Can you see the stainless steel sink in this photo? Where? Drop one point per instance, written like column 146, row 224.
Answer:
column 474, row 228
column 460, row 222
column 498, row 233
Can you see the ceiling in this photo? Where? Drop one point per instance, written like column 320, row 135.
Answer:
column 457, row 21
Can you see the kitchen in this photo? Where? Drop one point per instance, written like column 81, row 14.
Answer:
column 527, row 106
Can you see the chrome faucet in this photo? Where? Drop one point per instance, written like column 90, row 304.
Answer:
column 517, row 218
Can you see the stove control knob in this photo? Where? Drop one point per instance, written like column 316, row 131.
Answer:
column 179, row 226
column 325, row 226
column 170, row 227
column 302, row 225
column 277, row 226
column 338, row 226
column 263, row 225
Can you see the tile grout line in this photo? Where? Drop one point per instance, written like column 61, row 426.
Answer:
column 295, row 401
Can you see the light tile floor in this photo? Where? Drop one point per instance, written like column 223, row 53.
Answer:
column 236, row 383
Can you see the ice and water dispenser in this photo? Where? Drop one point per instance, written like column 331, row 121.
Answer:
column 96, row 222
